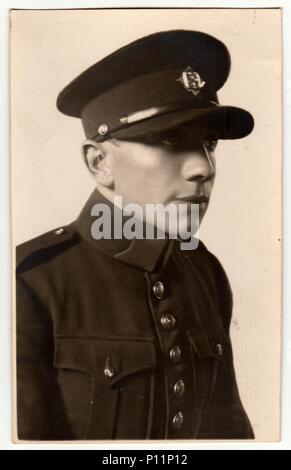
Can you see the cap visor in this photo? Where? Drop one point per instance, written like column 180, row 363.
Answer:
column 226, row 122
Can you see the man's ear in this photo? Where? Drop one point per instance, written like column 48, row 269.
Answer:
column 96, row 160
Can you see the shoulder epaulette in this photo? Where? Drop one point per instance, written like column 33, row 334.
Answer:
column 44, row 247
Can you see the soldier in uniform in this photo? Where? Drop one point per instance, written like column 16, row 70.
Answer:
column 129, row 339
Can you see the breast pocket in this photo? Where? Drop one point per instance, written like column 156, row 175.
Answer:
column 208, row 353
column 106, row 385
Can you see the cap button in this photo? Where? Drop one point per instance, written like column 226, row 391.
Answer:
column 103, row 129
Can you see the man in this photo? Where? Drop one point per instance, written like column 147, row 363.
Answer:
column 122, row 338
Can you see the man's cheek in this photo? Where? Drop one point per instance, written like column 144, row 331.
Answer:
column 208, row 186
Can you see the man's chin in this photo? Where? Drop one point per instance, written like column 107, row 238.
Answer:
column 185, row 230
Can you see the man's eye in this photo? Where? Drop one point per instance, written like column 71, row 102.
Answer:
column 171, row 141
column 210, row 144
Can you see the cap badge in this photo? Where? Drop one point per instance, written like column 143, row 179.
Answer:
column 191, row 80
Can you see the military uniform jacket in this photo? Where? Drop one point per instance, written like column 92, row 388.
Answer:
column 120, row 339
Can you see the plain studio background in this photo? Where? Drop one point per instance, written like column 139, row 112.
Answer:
column 242, row 226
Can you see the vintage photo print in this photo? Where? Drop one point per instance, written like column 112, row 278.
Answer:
column 146, row 210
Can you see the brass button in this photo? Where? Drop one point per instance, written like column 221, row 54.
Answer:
column 168, row 321
column 178, row 420
column 179, row 388
column 159, row 290
column 219, row 349
column 103, row 129
column 109, row 372
column 59, row 231
column 175, row 354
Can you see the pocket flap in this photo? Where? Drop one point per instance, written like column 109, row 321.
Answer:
column 207, row 346
column 109, row 360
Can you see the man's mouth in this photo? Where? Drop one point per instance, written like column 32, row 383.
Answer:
column 193, row 199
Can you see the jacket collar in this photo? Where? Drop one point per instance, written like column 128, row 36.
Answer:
column 149, row 255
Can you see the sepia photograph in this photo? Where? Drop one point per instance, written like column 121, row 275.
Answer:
column 146, row 153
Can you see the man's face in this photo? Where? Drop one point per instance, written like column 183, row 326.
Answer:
column 177, row 166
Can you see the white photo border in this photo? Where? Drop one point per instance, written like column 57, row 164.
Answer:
column 5, row 246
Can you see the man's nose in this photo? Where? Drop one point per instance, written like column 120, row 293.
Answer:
column 198, row 165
